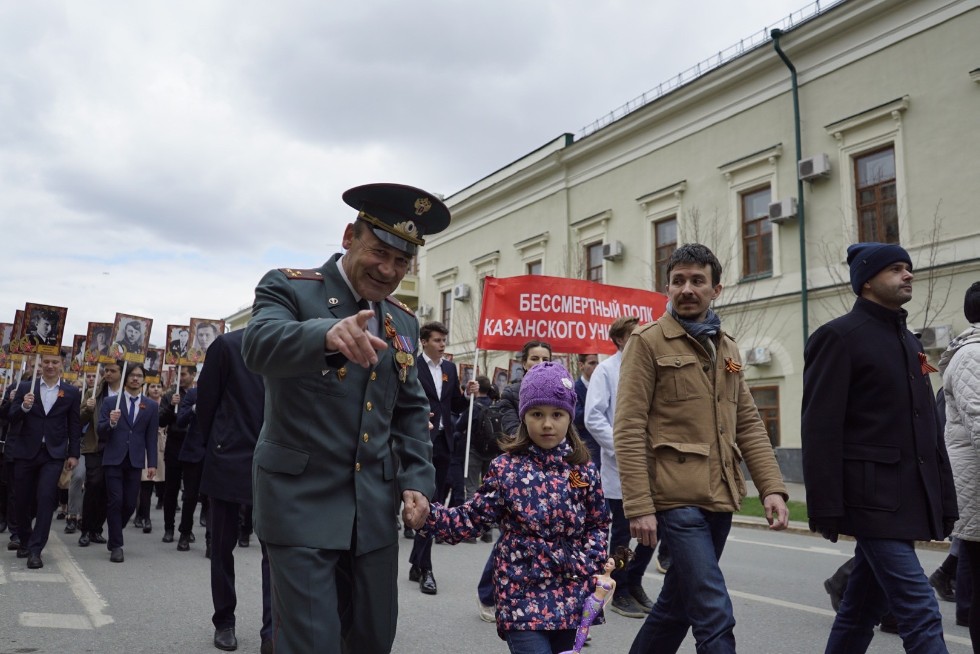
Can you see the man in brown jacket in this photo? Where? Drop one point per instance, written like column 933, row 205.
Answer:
column 685, row 420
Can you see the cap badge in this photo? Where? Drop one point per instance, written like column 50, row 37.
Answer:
column 422, row 205
column 406, row 227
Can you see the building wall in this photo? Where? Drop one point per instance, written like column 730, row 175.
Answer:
column 871, row 72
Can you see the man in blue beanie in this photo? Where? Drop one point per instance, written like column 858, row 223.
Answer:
column 874, row 460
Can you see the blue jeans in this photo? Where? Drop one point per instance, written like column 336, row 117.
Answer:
column 484, row 589
column 887, row 575
column 540, row 642
column 694, row 594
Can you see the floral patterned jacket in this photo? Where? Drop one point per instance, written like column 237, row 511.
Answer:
column 554, row 523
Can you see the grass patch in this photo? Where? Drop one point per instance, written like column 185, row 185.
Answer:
column 753, row 506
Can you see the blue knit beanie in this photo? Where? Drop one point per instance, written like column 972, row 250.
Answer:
column 868, row 259
column 547, row 384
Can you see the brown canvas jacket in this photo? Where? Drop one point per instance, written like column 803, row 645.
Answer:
column 683, row 427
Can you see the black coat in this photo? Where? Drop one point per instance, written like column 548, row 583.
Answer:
column 230, row 408
column 873, row 454
column 192, row 451
column 452, row 400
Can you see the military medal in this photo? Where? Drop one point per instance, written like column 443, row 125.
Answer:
column 404, row 347
column 341, row 373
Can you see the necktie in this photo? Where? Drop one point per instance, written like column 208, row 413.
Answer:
column 132, row 410
column 372, row 324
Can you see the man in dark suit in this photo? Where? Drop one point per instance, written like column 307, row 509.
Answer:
column 94, row 501
column 229, row 414
column 874, row 458
column 191, row 457
column 173, row 466
column 338, row 357
column 441, row 383
column 47, row 423
column 130, row 436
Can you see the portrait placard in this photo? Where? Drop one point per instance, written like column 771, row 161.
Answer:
column 97, row 341
column 447, row 356
column 6, row 331
column 77, row 353
column 130, row 337
column 500, row 379
column 178, row 343
column 516, row 370
column 465, row 374
column 153, row 364
column 44, row 327
column 203, row 333
column 66, row 372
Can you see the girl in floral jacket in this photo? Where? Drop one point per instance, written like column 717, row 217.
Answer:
column 546, row 496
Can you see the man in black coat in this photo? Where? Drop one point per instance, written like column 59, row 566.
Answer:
column 441, row 383
column 874, row 458
column 229, row 410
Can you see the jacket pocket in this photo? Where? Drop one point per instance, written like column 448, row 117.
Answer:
column 681, row 472
column 872, row 476
column 677, row 376
column 279, row 458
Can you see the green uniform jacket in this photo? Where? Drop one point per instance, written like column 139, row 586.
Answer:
column 326, row 460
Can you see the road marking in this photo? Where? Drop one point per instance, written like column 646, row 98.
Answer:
column 90, row 599
column 55, row 620
column 809, row 550
column 48, row 577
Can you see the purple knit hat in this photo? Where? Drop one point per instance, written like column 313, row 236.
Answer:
column 548, row 384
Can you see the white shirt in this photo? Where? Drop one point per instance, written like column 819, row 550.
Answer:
column 49, row 395
column 435, row 369
column 600, row 409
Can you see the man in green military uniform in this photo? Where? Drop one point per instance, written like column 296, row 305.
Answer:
column 345, row 437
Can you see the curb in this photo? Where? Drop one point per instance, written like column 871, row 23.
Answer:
column 803, row 529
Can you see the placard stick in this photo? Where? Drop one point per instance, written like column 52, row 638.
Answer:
column 37, row 364
column 122, row 384
column 469, row 422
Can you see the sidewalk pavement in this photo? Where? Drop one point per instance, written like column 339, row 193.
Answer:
column 797, row 493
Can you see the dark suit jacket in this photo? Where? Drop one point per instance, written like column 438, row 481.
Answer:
column 138, row 440
column 230, row 407
column 452, row 401
column 60, row 429
column 192, row 450
column 324, row 463
column 873, row 454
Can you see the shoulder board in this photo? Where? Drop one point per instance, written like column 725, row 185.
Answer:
column 311, row 274
column 401, row 305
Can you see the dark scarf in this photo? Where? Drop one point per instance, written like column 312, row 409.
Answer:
column 702, row 331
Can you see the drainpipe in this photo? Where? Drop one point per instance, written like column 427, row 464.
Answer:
column 775, row 34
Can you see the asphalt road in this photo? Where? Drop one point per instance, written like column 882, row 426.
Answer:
column 159, row 600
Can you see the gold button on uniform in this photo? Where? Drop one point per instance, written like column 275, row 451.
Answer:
column 374, row 375
column 357, row 467
column 365, row 437
column 369, row 406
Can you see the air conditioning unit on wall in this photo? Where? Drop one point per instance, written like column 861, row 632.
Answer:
column 782, row 211
column 425, row 310
column 936, row 338
column 612, row 251
column 758, row 356
column 461, row 292
column 812, row 168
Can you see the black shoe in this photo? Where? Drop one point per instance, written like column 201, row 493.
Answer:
column 116, row 556
column 225, row 639
column 243, row 541
column 168, row 536
column 84, row 539
column 34, row 562
column 889, row 624
column 624, row 604
column 414, row 573
column 487, row 536
column 61, row 515
column 637, row 593
column 147, row 526
column 138, row 522
column 97, row 537
column 943, row 584
column 23, row 553
column 428, row 582
column 836, row 594
column 408, row 533
column 13, row 545
column 268, row 647
column 71, row 525
column 183, row 543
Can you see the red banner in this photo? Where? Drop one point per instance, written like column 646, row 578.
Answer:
column 571, row 315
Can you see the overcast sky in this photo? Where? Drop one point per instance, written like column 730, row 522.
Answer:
column 156, row 158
